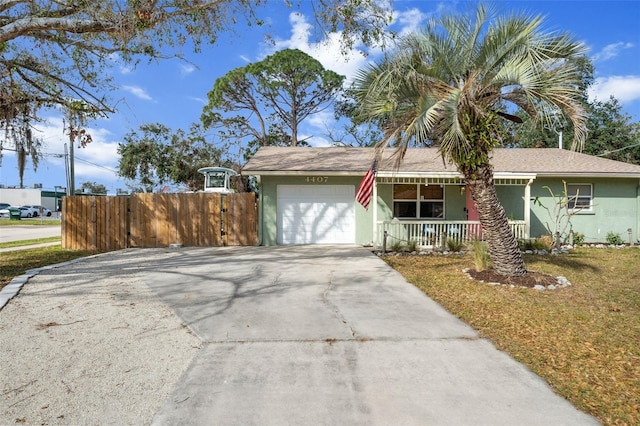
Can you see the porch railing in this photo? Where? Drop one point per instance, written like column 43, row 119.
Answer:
column 435, row 233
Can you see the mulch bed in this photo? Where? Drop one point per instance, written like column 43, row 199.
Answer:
column 530, row 279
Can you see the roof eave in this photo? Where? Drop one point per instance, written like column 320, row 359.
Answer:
column 589, row 175
column 300, row 173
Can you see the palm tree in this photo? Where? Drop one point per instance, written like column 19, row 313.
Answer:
column 452, row 85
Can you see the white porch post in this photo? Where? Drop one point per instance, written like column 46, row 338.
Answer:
column 527, row 209
column 374, row 200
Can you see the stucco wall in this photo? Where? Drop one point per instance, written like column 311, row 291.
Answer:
column 20, row 197
column 616, row 205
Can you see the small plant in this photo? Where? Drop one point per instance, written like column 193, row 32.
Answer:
column 397, row 246
column 454, row 244
column 481, row 258
column 545, row 242
column 526, row 244
column 412, row 245
column 560, row 215
column 578, row 238
column 614, row 238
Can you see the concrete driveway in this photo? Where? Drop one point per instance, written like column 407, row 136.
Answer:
column 332, row 335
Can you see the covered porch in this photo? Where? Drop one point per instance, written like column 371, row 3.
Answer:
column 433, row 235
column 456, row 214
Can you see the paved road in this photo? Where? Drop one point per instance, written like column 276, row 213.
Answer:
column 332, row 335
column 27, row 232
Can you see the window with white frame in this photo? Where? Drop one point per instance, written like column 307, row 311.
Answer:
column 417, row 201
column 580, row 196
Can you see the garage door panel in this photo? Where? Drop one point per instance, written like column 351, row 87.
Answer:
column 322, row 214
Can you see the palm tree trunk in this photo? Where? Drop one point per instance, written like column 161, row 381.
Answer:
column 503, row 247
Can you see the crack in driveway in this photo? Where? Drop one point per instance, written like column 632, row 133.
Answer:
column 334, row 307
column 331, row 340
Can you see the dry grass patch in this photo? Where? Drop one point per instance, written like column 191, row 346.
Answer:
column 584, row 339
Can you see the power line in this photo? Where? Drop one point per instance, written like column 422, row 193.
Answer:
column 97, row 165
column 616, row 150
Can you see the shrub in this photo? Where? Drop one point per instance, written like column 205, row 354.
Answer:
column 481, row 258
column 614, row 238
column 454, row 244
column 397, row 246
column 526, row 244
column 578, row 238
column 542, row 243
column 545, row 242
column 412, row 245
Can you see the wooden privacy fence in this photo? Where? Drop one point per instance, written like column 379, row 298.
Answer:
column 158, row 220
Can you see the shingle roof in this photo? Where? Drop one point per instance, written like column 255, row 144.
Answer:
column 349, row 160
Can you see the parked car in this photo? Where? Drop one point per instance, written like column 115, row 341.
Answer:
column 41, row 210
column 4, row 211
column 28, row 211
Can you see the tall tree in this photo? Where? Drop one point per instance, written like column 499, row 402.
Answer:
column 270, row 97
column 450, row 84
column 94, row 187
column 55, row 53
column 158, row 155
column 612, row 133
column 357, row 131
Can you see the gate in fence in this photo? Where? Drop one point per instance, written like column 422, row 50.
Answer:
column 159, row 220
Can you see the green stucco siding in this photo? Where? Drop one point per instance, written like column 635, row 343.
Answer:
column 512, row 199
column 269, row 201
column 385, row 202
column 615, row 208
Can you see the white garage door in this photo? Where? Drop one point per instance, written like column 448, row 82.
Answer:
column 316, row 214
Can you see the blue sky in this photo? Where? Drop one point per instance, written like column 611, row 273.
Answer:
column 173, row 92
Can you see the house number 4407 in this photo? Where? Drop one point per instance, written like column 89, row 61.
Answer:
column 317, row 179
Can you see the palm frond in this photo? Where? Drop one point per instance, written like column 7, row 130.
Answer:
column 460, row 70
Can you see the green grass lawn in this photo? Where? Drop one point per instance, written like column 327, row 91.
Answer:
column 583, row 339
column 29, row 242
column 14, row 263
column 36, row 221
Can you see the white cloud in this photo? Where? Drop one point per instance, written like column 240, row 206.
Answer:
column 611, row 51
column 186, row 69
column 409, row 21
column 625, row 88
column 320, row 120
column 122, row 67
column 196, row 99
column 102, row 152
column 327, row 51
column 138, row 92
column 315, row 141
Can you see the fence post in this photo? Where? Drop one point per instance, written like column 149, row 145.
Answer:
column 384, row 242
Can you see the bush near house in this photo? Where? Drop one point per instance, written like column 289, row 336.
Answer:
column 582, row 339
column 614, row 238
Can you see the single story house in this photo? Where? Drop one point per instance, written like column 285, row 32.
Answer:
column 307, row 195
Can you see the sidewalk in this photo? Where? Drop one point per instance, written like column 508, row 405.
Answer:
column 30, row 246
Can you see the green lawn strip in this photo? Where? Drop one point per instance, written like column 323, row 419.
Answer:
column 35, row 222
column 14, row 263
column 29, row 242
column 582, row 339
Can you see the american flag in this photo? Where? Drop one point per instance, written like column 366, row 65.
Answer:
column 365, row 190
